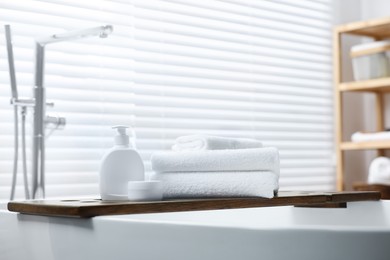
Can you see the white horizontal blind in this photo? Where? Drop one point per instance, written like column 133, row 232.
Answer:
column 259, row 69
column 244, row 68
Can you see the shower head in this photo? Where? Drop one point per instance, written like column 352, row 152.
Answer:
column 11, row 62
column 101, row 31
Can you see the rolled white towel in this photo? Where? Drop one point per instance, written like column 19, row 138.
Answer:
column 208, row 142
column 365, row 137
column 218, row 184
column 259, row 159
column 379, row 171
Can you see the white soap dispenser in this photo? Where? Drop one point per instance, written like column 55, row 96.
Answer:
column 119, row 165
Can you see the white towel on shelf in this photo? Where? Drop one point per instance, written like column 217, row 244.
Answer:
column 365, row 137
column 208, row 142
column 257, row 159
column 379, row 171
column 218, row 184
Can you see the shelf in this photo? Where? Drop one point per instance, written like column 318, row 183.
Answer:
column 379, row 28
column 375, row 85
column 373, row 145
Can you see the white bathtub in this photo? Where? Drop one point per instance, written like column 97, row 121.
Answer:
column 361, row 231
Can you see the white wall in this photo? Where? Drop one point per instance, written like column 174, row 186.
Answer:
column 375, row 8
column 359, row 109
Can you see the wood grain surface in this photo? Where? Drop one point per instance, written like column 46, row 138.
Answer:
column 96, row 207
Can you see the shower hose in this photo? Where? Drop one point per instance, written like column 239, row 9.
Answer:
column 16, row 153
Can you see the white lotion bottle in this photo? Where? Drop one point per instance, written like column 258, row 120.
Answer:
column 119, row 165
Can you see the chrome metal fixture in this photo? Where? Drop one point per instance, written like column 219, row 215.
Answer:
column 41, row 120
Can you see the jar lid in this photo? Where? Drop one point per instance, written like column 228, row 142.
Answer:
column 370, row 48
column 145, row 190
column 143, row 185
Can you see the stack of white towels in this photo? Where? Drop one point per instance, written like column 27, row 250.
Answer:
column 366, row 137
column 211, row 166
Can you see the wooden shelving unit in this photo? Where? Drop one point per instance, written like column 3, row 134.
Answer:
column 377, row 29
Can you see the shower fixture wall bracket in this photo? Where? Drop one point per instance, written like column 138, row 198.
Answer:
column 27, row 102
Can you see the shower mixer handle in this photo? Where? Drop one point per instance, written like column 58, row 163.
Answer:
column 57, row 122
column 50, row 104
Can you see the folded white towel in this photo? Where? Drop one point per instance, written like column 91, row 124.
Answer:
column 365, row 137
column 218, row 184
column 258, row 159
column 379, row 171
column 208, row 142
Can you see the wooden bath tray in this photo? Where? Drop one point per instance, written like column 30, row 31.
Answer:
column 96, row 207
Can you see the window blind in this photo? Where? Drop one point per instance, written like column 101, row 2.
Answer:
column 239, row 68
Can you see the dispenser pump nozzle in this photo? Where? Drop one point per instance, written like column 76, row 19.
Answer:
column 121, row 138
